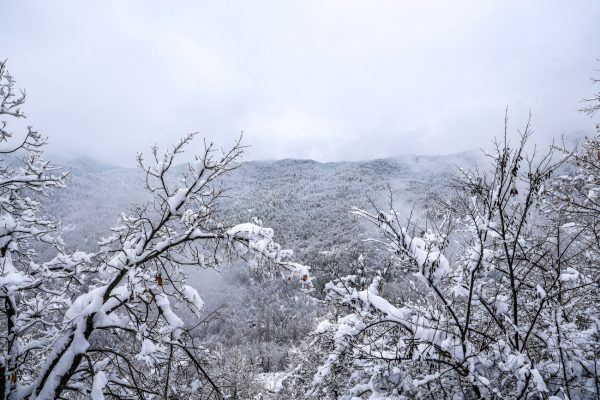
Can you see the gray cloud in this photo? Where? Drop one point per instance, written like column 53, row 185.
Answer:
column 328, row 80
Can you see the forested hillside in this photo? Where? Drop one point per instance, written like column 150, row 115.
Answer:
column 311, row 200
column 308, row 205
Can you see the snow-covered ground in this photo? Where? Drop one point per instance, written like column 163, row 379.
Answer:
column 272, row 381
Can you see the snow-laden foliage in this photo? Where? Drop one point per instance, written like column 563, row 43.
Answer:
column 34, row 293
column 110, row 323
column 592, row 103
column 499, row 299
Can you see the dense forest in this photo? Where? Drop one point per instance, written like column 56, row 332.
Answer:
column 459, row 276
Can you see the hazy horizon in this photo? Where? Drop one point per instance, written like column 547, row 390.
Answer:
column 327, row 81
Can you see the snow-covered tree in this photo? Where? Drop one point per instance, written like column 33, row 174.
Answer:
column 497, row 303
column 592, row 103
column 32, row 298
column 111, row 324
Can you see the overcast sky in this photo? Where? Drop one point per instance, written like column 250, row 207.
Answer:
column 327, row 80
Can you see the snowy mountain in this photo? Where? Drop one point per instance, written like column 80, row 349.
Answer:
column 305, row 201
